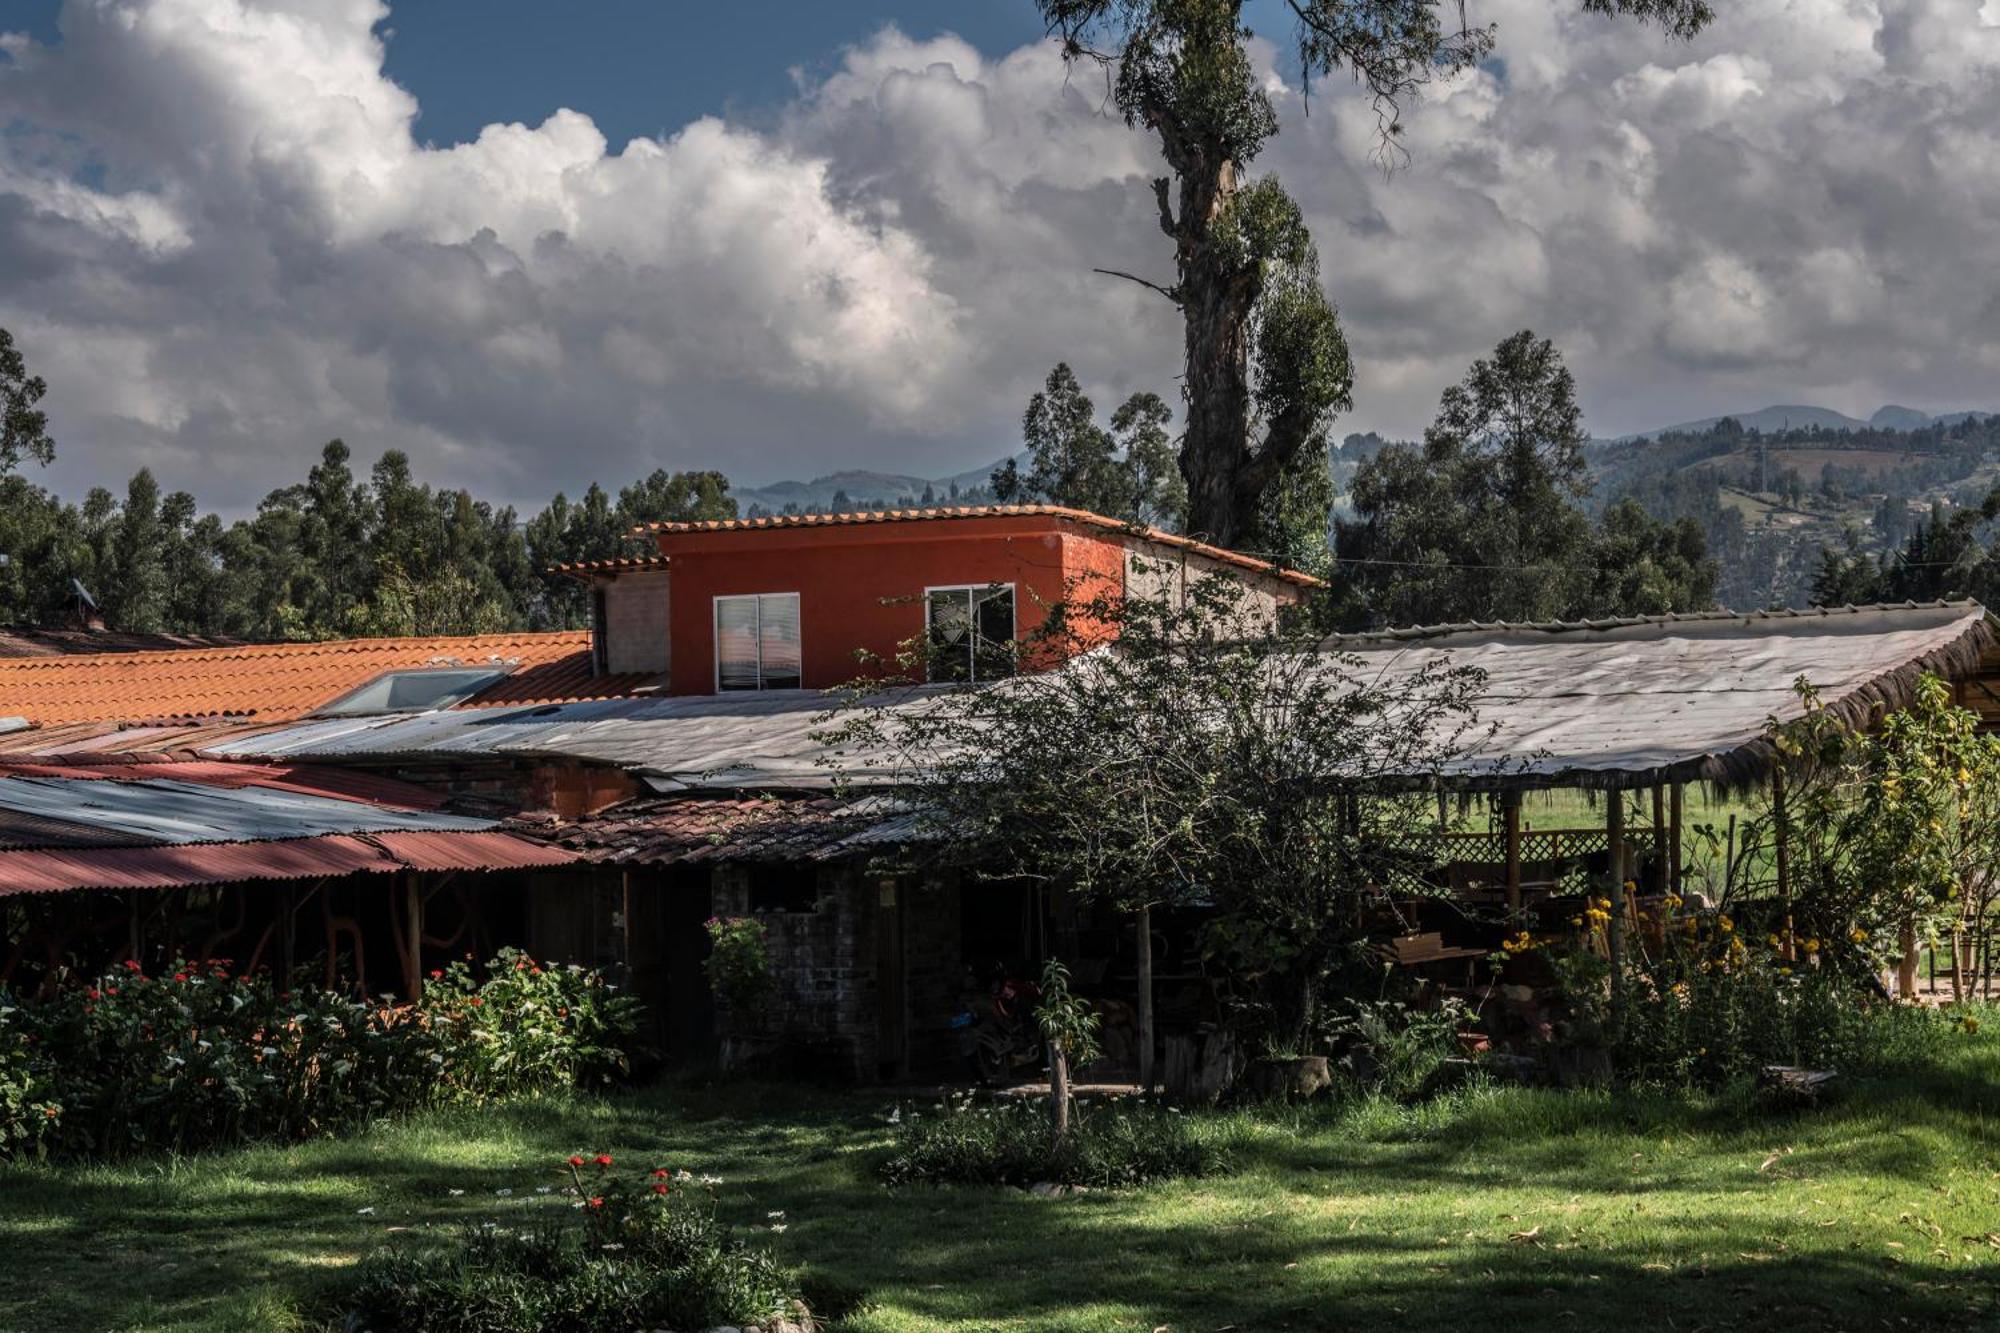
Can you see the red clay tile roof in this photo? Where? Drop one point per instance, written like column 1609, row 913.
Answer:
column 18, row 641
column 277, row 682
column 680, row 830
column 1157, row 536
column 624, row 564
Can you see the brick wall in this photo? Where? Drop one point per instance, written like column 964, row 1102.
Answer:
column 822, row 1015
column 637, row 610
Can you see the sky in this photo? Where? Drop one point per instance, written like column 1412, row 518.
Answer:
column 534, row 245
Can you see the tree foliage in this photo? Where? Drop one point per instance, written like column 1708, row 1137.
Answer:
column 24, row 428
column 1484, row 521
column 1209, row 755
column 1126, row 472
column 1266, row 365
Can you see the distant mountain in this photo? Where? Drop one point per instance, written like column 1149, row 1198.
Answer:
column 1797, row 417
column 862, row 487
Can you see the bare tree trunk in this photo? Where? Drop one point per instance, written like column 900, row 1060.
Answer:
column 1906, row 967
column 1960, row 957
column 1058, row 1095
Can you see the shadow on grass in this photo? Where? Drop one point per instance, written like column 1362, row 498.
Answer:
column 1630, row 1209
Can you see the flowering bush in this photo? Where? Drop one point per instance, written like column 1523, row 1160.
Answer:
column 1708, row 1001
column 28, row 1117
column 1115, row 1142
column 739, row 967
column 200, row 1056
column 529, row 1027
column 634, row 1249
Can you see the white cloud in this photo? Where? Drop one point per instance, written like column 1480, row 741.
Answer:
column 221, row 242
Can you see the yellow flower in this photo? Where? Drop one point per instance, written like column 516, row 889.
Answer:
column 1970, row 1024
column 1724, row 922
column 1812, row 946
column 1858, row 935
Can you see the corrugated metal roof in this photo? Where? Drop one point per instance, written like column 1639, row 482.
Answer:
column 165, row 810
column 726, row 741
column 303, row 858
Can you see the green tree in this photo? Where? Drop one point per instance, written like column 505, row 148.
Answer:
column 1126, row 472
column 1215, row 756
column 24, row 428
column 1266, row 365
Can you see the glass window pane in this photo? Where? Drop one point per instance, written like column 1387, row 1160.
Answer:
column 994, row 611
column 736, row 643
column 949, row 614
column 778, row 639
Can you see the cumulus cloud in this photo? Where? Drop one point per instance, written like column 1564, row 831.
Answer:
column 221, row 242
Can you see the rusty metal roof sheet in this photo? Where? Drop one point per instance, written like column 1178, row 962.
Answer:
column 685, row 830
column 50, row 871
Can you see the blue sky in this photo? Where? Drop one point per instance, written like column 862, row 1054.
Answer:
column 637, row 67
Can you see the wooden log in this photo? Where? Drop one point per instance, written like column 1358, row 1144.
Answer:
column 1614, row 832
column 1200, row 1066
column 1791, row 1085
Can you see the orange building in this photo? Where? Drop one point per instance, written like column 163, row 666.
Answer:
column 798, row 602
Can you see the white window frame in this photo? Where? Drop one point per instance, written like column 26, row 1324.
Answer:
column 715, row 643
column 1013, row 628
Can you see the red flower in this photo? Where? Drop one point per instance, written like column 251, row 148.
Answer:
column 110, row 990
column 91, row 994
column 660, row 1188
column 604, row 1159
column 131, row 965
column 180, row 976
column 576, row 1161
column 661, row 1173
column 534, row 971
column 436, row 972
column 476, row 1002
column 597, row 1203
column 49, row 1111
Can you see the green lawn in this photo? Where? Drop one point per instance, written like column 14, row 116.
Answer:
column 1502, row 1209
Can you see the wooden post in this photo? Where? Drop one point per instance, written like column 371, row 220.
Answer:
column 1614, row 835
column 1782, row 835
column 1146, row 998
column 1659, row 838
column 1674, row 813
column 1510, row 810
column 288, row 921
column 413, row 960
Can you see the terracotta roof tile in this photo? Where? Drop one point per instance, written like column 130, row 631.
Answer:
column 1139, row 532
column 682, row 830
column 624, row 564
column 277, row 682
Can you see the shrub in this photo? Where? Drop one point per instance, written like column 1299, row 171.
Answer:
column 1396, row 1050
column 28, row 1116
column 739, row 967
column 967, row 1141
column 529, row 1028
column 630, row 1251
column 199, row 1057
column 1707, row 1005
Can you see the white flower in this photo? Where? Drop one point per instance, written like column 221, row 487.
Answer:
column 364, row 1212
column 456, row 1193
column 778, row 1216
column 505, row 1194
column 778, row 1226
column 711, row 1181
column 896, row 1116
column 203, row 1046
column 611, row 1245
column 268, row 1052
column 544, row 1189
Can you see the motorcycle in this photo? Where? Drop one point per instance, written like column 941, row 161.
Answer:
column 1004, row 1039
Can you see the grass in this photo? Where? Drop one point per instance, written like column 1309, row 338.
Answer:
column 1496, row 1207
